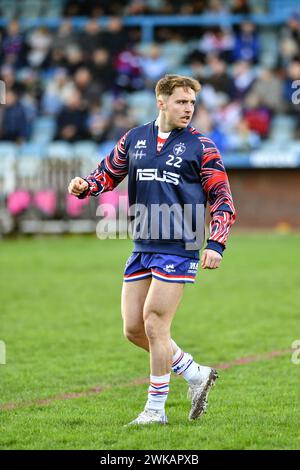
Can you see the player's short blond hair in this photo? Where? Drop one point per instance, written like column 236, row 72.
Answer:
column 167, row 84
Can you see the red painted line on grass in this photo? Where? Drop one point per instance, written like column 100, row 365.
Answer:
column 246, row 360
column 96, row 390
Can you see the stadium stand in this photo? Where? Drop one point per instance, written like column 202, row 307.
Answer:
column 78, row 74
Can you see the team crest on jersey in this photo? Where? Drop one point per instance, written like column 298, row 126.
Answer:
column 179, row 149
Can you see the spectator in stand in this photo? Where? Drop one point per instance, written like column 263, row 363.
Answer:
column 243, row 139
column 58, row 91
column 102, row 69
column 121, row 119
column 65, row 36
column 169, row 7
column 229, row 131
column 120, row 106
column 77, row 8
column 197, row 7
column 289, row 46
column 137, row 7
column 292, row 29
column 203, row 121
column 268, row 90
column 72, row 120
column 72, row 8
column 239, row 139
column 243, row 78
column 257, row 116
column 246, row 43
column 90, row 7
column 14, row 122
column 121, row 125
column 74, row 58
column 57, row 59
column 13, row 47
column 154, row 66
column 92, row 38
column 240, row 7
column 39, row 41
column 129, row 72
column 182, row 7
column 90, row 91
column 99, row 123
column 196, row 63
column 115, row 38
column 227, row 113
column 217, row 41
column 287, row 51
column 31, row 93
column 216, row 7
column 9, row 77
column 218, row 77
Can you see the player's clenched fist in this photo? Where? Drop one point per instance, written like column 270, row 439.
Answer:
column 210, row 259
column 77, row 186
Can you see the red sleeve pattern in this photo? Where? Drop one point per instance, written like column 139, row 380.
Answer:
column 216, row 185
column 110, row 172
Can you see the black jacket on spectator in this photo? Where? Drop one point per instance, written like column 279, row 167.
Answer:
column 72, row 117
column 14, row 123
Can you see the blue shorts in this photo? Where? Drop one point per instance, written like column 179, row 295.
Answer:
column 164, row 267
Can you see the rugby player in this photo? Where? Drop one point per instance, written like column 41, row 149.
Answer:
column 173, row 172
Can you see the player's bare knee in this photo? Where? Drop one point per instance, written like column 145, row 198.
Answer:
column 154, row 326
column 134, row 333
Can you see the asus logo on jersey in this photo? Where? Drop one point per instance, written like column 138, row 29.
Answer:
column 150, row 174
column 141, row 144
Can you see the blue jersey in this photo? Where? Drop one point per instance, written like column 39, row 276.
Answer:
column 168, row 191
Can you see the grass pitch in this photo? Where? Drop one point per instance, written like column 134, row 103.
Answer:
column 60, row 320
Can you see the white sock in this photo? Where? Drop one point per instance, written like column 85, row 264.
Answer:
column 183, row 364
column 158, row 392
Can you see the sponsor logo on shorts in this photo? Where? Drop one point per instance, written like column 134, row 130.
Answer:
column 169, row 268
column 193, row 267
